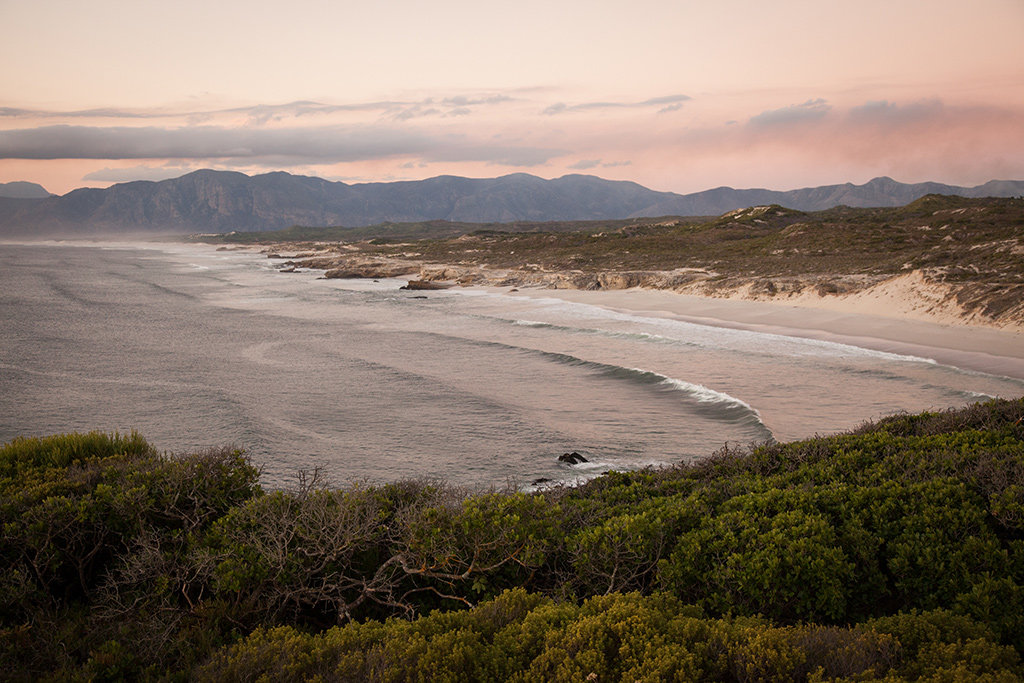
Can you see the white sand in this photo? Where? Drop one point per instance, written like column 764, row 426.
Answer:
column 906, row 297
column 877, row 319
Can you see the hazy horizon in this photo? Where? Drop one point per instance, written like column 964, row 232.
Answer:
column 672, row 96
column 707, row 189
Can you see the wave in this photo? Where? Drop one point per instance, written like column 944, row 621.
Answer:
column 578, row 475
column 721, row 339
column 708, row 402
column 532, row 323
column 807, row 347
column 612, row 334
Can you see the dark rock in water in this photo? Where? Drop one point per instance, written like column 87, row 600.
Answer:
column 541, row 480
column 419, row 297
column 289, row 269
column 573, row 458
column 424, row 284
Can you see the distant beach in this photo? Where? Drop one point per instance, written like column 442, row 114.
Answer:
column 845, row 321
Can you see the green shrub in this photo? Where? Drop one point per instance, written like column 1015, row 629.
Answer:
column 123, row 563
column 72, row 506
column 622, row 553
column 787, row 565
column 999, row 604
column 477, row 548
column 64, row 450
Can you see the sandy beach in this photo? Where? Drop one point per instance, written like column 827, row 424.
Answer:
column 971, row 347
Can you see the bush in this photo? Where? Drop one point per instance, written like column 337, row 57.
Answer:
column 72, row 505
column 123, row 563
column 788, row 565
column 521, row 637
column 622, row 553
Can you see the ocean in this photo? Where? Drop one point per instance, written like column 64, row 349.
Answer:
column 195, row 347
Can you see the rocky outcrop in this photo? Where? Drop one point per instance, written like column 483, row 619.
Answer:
column 371, row 269
column 936, row 290
column 356, row 266
column 573, row 458
column 460, row 275
column 425, row 285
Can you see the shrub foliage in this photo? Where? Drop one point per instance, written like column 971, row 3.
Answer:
column 893, row 552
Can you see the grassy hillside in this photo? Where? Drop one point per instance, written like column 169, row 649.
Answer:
column 972, row 248
column 964, row 236
column 427, row 230
column 968, row 237
column 892, row 552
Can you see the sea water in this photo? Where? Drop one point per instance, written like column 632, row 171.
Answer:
column 195, row 347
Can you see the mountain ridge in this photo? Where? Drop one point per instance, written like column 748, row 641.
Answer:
column 20, row 189
column 222, row 201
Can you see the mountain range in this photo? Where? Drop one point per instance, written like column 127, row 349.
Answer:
column 222, row 201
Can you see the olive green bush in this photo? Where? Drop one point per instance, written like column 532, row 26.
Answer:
column 893, row 552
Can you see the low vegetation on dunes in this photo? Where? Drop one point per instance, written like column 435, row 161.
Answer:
column 893, row 552
column 969, row 251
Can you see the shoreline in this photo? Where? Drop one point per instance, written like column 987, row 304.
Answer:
column 974, row 348
column 881, row 318
column 904, row 314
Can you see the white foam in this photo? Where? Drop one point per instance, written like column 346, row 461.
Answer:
column 710, row 336
column 700, row 392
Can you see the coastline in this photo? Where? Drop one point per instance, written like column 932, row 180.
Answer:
column 976, row 348
column 904, row 314
column 796, row 388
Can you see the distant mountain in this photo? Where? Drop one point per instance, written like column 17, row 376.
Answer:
column 19, row 189
column 220, row 201
column 879, row 192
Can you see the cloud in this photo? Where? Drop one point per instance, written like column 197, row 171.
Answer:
column 668, row 99
column 883, row 112
column 665, row 104
column 811, row 110
column 464, row 101
column 587, row 164
column 395, row 110
column 414, row 112
column 261, row 114
column 118, row 175
column 328, row 144
column 104, row 113
column 556, row 108
column 911, row 141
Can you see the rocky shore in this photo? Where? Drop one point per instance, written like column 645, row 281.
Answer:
column 921, row 294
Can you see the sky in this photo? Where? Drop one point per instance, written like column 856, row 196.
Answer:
column 676, row 95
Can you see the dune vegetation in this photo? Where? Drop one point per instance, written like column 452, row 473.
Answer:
column 968, row 252
column 892, row 552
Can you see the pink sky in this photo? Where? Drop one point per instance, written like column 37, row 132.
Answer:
column 675, row 95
